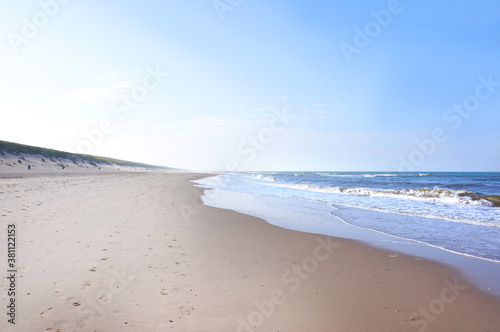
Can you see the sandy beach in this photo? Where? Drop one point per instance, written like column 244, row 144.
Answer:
column 136, row 251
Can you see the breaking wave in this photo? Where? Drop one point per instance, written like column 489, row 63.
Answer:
column 444, row 195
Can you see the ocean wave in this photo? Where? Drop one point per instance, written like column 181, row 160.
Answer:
column 444, row 195
column 494, row 200
column 265, row 177
column 366, row 175
column 350, row 175
column 436, row 194
column 462, row 196
column 377, row 175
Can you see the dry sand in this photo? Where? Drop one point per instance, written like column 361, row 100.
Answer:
column 138, row 252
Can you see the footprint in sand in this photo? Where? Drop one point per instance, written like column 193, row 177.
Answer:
column 94, row 269
column 47, row 313
column 83, row 324
column 185, row 311
column 164, row 291
column 73, row 302
column 104, row 299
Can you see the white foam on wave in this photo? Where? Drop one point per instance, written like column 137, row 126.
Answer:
column 443, row 195
column 444, row 204
column 337, row 175
column 265, row 177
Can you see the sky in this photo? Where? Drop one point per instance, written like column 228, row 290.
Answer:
column 277, row 85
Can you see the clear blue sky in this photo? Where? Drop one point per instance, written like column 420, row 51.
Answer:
column 354, row 100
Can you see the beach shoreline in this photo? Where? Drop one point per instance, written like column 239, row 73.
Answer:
column 327, row 219
column 139, row 251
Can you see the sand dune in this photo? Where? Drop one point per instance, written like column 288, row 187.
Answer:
column 18, row 160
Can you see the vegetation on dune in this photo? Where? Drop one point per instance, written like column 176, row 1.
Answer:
column 15, row 149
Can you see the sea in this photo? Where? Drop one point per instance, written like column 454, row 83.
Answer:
column 450, row 217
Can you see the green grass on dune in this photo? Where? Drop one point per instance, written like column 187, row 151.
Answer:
column 16, row 149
